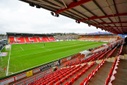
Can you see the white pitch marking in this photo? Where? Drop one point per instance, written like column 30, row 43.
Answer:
column 8, row 62
column 22, row 48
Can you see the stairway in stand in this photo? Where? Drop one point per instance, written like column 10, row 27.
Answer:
column 101, row 75
column 121, row 75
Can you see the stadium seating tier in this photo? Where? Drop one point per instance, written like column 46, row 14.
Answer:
column 30, row 39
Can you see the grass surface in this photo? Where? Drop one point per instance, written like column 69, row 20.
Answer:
column 25, row 56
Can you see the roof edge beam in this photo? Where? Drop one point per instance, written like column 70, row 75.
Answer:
column 72, row 5
column 115, row 26
column 112, row 22
column 99, row 17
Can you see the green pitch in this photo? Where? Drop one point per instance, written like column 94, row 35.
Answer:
column 25, row 56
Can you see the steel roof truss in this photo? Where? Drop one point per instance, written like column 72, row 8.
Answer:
column 72, row 5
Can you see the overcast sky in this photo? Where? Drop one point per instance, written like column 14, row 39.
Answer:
column 17, row 16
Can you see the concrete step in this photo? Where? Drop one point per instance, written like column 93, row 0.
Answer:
column 121, row 75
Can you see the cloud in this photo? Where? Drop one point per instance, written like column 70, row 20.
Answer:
column 17, row 16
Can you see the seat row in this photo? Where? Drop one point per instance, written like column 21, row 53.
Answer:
column 96, row 56
column 61, row 74
column 112, row 51
column 107, row 53
column 69, row 75
column 77, row 76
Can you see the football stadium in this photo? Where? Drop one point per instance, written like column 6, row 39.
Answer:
column 98, row 58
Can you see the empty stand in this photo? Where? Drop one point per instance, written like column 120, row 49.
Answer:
column 30, row 39
column 84, row 74
column 38, row 39
column 27, row 39
column 92, row 74
column 51, row 38
column 104, row 38
column 60, row 75
column 106, row 53
column 20, row 39
column 11, row 39
column 33, row 39
column 45, row 39
column 76, row 74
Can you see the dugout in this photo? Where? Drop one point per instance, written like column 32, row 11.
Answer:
column 2, row 43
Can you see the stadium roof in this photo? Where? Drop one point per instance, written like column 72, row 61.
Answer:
column 108, row 15
column 31, row 34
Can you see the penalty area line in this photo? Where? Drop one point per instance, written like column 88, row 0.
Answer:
column 8, row 62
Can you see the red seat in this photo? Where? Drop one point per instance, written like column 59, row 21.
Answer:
column 58, row 83
column 90, row 76
column 72, row 80
column 85, row 81
column 67, row 83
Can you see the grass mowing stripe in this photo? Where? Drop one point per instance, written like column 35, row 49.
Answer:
column 47, row 52
column 56, row 49
column 42, row 51
column 42, row 46
column 37, row 50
